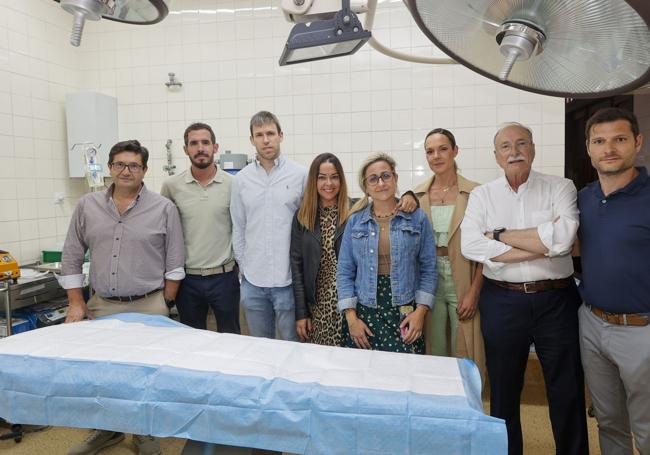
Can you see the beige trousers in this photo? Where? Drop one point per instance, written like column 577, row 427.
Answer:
column 152, row 304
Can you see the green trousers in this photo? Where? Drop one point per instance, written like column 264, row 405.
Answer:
column 444, row 309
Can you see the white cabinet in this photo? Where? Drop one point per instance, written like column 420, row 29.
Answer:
column 91, row 117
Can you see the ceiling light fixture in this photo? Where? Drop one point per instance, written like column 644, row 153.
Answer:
column 343, row 34
column 576, row 49
column 138, row 12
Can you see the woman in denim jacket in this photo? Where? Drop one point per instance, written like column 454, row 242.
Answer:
column 386, row 275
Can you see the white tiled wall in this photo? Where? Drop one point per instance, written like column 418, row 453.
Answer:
column 226, row 52
column 37, row 68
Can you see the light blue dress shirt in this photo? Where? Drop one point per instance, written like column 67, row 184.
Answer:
column 262, row 207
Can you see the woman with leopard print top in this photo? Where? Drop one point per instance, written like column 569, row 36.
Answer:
column 315, row 242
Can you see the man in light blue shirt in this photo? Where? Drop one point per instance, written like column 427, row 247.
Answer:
column 264, row 197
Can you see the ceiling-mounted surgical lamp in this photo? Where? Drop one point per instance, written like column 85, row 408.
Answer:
column 138, row 12
column 576, row 49
column 327, row 34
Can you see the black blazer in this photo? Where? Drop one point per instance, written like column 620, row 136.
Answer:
column 305, row 262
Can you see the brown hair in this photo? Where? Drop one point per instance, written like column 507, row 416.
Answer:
column 308, row 211
column 444, row 132
column 196, row 127
column 611, row 114
column 262, row 118
column 372, row 159
column 448, row 134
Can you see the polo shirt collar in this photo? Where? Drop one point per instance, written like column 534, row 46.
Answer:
column 637, row 182
column 635, row 185
column 218, row 176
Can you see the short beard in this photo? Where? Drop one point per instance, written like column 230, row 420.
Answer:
column 202, row 165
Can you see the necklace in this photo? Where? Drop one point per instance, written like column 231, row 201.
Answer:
column 444, row 191
column 381, row 219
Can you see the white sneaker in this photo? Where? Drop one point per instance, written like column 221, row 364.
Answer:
column 96, row 441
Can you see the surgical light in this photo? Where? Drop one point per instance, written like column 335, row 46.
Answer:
column 138, row 12
column 575, row 49
column 341, row 35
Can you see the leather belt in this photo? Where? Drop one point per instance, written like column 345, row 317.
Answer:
column 131, row 298
column 620, row 319
column 531, row 287
column 442, row 251
column 229, row 267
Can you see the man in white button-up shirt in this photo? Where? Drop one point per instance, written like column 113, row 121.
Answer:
column 265, row 195
column 522, row 227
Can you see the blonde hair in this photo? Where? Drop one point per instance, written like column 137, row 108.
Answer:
column 372, row 159
column 308, row 211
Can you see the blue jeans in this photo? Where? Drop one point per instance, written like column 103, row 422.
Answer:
column 220, row 292
column 267, row 308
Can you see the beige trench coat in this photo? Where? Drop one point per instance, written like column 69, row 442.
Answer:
column 469, row 341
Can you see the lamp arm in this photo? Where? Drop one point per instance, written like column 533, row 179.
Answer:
column 379, row 47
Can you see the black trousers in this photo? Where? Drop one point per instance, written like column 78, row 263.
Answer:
column 510, row 322
column 220, row 292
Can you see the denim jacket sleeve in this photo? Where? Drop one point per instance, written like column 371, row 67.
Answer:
column 426, row 286
column 346, row 272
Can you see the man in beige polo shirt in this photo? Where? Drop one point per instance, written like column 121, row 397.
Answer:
column 202, row 195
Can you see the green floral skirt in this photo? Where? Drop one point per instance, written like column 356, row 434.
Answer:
column 383, row 322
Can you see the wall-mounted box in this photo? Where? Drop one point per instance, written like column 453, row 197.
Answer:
column 91, row 117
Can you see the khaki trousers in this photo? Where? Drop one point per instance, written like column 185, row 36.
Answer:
column 152, row 304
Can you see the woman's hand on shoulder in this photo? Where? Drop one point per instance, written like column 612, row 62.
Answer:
column 407, row 203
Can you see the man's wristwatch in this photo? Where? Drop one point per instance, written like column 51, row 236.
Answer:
column 497, row 233
column 170, row 303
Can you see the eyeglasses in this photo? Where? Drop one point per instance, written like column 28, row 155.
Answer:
column 506, row 147
column 120, row 166
column 373, row 179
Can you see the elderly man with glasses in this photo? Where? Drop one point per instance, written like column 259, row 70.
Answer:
column 522, row 227
column 137, row 258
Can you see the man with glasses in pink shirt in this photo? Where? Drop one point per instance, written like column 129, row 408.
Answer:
column 137, row 254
